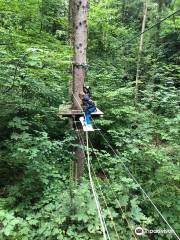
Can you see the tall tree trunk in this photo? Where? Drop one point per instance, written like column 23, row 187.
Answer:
column 141, row 48
column 80, row 46
column 79, row 11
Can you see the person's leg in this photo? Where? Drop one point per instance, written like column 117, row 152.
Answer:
column 87, row 118
column 92, row 109
column 88, row 115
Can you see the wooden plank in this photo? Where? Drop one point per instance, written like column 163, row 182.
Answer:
column 66, row 111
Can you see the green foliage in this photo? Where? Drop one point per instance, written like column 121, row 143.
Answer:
column 38, row 197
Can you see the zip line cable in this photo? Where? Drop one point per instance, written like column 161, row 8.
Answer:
column 82, row 142
column 113, row 192
column 154, row 25
column 98, row 206
column 104, row 229
column 103, row 220
column 104, row 199
column 135, row 180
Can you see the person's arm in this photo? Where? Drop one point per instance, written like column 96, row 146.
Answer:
column 86, row 98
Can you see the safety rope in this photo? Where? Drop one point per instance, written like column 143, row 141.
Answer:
column 78, row 104
column 114, row 194
column 135, row 180
column 104, row 199
column 98, row 206
column 104, row 229
column 105, row 226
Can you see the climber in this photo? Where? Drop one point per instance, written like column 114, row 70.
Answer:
column 88, row 107
column 87, row 90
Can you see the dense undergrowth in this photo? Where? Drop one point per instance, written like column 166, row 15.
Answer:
column 38, row 199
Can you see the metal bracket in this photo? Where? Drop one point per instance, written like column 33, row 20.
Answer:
column 84, row 65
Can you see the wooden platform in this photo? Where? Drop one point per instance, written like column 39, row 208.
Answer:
column 66, row 111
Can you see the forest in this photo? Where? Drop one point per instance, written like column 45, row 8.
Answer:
column 133, row 71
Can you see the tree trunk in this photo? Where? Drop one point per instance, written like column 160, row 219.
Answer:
column 80, row 46
column 141, row 48
column 79, row 11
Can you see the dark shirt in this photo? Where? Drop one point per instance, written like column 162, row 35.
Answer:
column 87, row 91
column 87, row 102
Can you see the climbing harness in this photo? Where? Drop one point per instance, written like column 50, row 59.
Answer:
column 83, row 65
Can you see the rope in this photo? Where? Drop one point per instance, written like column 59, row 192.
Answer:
column 130, row 174
column 114, row 226
column 104, row 199
column 78, row 103
column 104, row 229
column 162, row 20
column 114, row 194
column 101, row 218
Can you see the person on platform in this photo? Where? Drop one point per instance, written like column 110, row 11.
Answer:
column 88, row 107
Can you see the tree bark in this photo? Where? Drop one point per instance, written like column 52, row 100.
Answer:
column 79, row 11
column 141, row 48
column 80, row 46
